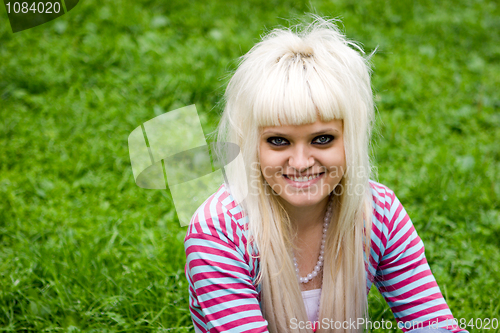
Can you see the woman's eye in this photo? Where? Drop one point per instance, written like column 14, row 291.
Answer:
column 323, row 139
column 277, row 141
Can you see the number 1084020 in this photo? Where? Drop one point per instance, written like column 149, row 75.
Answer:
column 40, row 7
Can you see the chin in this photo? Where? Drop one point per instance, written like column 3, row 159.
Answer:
column 303, row 199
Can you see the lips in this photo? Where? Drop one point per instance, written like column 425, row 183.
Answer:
column 302, row 178
column 303, row 181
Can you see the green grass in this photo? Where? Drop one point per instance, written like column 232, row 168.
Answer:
column 82, row 248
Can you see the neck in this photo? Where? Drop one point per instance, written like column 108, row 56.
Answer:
column 308, row 217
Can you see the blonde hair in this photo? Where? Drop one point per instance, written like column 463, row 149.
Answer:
column 291, row 77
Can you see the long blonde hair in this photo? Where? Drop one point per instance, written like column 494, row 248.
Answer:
column 290, row 77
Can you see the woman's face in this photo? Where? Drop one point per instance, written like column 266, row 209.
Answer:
column 303, row 163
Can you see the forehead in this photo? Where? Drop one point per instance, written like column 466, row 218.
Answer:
column 335, row 125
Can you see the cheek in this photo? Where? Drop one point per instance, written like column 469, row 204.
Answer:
column 270, row 164
column 262, row 160
column 337, row 164
column 266, row 164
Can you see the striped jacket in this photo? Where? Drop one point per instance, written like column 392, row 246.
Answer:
column 221, row 273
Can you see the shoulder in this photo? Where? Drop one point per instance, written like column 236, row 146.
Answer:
column 386, row 205
column 219, row 218
column 390, row 221
column 382, row 196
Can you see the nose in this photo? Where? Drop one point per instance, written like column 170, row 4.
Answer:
column 300, row 159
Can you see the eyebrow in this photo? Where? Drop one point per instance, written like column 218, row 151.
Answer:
column 312, row 134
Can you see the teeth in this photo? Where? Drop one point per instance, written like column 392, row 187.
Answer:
column 303, row 179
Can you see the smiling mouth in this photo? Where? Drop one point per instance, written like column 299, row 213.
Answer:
column 303, row 179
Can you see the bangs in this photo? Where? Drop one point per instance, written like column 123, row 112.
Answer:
column 293, row 93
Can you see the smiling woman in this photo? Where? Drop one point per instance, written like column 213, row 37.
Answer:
column 300, row 252
column 303, row 163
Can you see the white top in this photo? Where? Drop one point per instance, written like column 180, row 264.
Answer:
column 311, row 301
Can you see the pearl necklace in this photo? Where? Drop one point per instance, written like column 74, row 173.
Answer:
column 319, row 264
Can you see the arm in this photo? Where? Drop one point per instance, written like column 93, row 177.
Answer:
column 221, row 294
column 404, row 277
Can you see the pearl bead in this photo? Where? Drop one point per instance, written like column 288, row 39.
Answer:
column 319, row 264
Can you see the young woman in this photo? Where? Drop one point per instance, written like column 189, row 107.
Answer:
column 282, row 246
